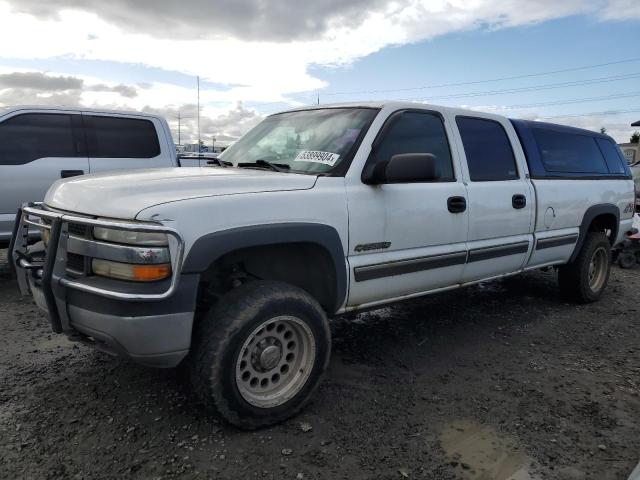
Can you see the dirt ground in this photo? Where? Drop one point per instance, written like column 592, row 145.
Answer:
column 500, row 381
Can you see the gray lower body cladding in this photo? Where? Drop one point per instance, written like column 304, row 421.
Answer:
column 156, row 341
column 152, row 333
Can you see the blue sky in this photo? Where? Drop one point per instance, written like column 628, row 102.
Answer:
column 489, row 54
column 359, row 47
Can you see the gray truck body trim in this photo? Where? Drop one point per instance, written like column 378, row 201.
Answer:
column 543, row 243
column 130, row 336
column 591, row 213
column 209, row 248
column 402, row 267
column 419, row 264
column 487, row 253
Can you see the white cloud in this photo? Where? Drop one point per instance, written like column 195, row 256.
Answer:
column 195, row 40
column 269, row 69
column 621, row 10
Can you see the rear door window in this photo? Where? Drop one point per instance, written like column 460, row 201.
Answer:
column 31, row 136
column 116, row 137
column 488, row 150
column 566, row 152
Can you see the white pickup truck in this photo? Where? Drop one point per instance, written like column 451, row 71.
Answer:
column 314, row 213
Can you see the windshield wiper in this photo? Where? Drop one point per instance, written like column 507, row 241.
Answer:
column 261, row 163
column 217, row 161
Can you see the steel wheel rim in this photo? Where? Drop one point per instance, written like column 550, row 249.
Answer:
column 275, row 361
column 597, row 269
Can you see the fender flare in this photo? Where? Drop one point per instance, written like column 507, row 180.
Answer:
column 209, row 248
column 591, row 213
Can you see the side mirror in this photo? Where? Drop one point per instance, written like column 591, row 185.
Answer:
column 402, row 168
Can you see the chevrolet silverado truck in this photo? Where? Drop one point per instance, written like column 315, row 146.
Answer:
column 235, row 269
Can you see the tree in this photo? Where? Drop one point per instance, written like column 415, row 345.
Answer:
column 635, row 137
column 603, row 130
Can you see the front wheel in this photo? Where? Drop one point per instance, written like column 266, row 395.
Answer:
column 259, row 354
column 586, row 277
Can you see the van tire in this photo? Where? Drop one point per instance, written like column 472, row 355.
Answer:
column 585, row 279
column 248, row 338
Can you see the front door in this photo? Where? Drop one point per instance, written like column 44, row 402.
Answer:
column 403, row 238
column 501, row 205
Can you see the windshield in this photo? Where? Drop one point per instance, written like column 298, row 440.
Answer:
column 310, row 141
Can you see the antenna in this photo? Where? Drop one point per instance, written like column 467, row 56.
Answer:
column 318, row 97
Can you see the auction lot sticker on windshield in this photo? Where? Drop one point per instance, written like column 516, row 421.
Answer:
column 315, row 156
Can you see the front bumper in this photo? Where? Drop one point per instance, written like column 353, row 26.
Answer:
column 149, row 323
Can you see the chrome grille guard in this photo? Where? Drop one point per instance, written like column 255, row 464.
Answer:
column 53, row 266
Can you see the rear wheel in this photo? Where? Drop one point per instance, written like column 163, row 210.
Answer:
column 586, row 277
column 259, row 354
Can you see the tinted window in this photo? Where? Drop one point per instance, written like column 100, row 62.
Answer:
column 28, row 137
column 415, row 132
column 113, row 137
column 488, row 150
column 569, row 152
column 612, row 155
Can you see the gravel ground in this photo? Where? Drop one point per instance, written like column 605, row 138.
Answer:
column 499, row 381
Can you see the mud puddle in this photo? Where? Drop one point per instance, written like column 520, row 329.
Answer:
column 478, row 452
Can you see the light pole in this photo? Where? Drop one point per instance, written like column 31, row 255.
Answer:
column 198, row 78
column 180, row 118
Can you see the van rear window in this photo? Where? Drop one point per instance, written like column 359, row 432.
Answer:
column 567, row 152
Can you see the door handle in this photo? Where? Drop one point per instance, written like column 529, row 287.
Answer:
column 456, row 204
column 70, row 173
column 518, row 201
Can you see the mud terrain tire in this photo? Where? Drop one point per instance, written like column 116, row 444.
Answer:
column 259, row 354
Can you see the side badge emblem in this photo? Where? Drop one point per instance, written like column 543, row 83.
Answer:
column 365, row 247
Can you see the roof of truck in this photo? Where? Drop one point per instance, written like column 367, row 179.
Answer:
column 388, row 104
column 62, row 108
column 561, row 128
column 397, row 105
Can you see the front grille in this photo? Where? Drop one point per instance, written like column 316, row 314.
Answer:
column 75, row 263
column 78, row 229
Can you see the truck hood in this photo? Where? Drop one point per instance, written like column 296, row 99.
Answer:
column 124, row 194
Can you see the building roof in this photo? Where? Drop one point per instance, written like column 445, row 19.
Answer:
column 636, row 124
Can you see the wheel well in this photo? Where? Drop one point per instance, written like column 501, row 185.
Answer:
column 606, row 222
column 308, row 266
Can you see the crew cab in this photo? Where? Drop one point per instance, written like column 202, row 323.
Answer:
column 316, row 212
column 39, row 145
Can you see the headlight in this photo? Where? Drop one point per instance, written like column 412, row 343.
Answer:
column 128, row 271
column 155, row 239
column 134, row 258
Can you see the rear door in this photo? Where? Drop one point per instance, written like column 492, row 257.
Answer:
column 500, row 197
column 125, row 142
column 36, row 149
